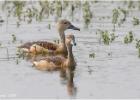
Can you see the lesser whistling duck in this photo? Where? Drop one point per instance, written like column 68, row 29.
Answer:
column 57, row 62
column 39, row 49
column 62, row 25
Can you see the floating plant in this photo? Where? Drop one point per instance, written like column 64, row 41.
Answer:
column 92, row 55
column 49, row 26
column 137, row 43
column 65, row 4
column 72, row 11
column 129, row 38
column 138, row 46
column 87, row 14
column 112, row 37
column 58, row 8
column 125, row 13
column 14, row 38
column 115, row 17
column 106, row 37
column 135, row 21
column 130, row 4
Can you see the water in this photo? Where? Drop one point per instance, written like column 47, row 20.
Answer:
column 105, row 76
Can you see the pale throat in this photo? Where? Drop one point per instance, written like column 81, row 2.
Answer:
column 62, row 37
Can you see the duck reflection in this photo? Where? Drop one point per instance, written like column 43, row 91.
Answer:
column 70, row 84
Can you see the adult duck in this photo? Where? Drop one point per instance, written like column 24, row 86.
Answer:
column 41, row 50
column 62, row 25
column 57, row 62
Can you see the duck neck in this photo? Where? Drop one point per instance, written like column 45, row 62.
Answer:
column 70, row 55
column 62, row 38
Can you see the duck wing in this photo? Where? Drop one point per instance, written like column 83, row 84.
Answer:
column 45, row 44
column 57, row 60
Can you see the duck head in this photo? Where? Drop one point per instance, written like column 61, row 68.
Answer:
column 64, row 24
column 70, row 38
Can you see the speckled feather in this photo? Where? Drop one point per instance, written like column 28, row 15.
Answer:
column 47, row 45
column 57, row 60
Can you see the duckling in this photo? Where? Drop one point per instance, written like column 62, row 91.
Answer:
column 62, row 25
column 57, row 62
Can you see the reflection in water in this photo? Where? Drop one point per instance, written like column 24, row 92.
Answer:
column 70, row 85
column 69, row 75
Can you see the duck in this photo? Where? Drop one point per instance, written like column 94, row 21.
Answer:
column 52, row 63
column 54, row 48
column 41, row 50
column 32, row 57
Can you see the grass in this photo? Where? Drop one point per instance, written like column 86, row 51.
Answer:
column 14, row 39
column 87, row 14
column 92, row 55
column 138, row 47
column 106, row 36
column 135, row 21
column 129, row 38
column 115, row 17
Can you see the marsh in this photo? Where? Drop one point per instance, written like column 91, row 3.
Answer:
column 107, row 67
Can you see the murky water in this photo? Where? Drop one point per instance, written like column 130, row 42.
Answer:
column 113, row 73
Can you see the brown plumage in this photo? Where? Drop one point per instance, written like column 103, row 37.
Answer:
column 44, row 44
column 62, row 25
column 57, row 62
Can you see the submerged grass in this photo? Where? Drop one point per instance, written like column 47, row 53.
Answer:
column 92, row 55
column 138, row 47
column 129, row 38
column 106, row 36
column 135, row 21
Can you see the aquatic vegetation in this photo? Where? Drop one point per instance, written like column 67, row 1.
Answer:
column 65, row 4
column 58, row 8
column 130, row 4
column 20, row 54
column 112, row 37
column 135, row 21
column 87, row 14
column 138, row 47
column 72, row 11
column 29, row 14
column 27, row 11
column 92, row 55
column 90, row 70
column 107, row 37
column 124, row 13
column 18, row 6
column 1, row 20
column 129, row 38
column 17, row 61
column 115, row 17
column 14, row 39
column 119, row 16
column 49, row 26
column 137, row 43
column 126, row 40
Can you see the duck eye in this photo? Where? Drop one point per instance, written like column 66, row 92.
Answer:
column 65, row 22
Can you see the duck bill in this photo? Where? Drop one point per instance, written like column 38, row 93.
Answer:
column 73, row 27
